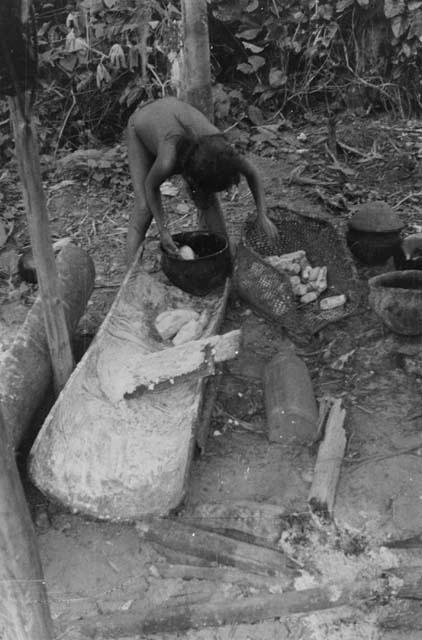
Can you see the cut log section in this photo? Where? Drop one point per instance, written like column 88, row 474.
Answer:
column 327, row 468
column 131, row 458
column 25, row 368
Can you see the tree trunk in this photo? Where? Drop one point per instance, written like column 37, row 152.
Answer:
column 24, row 610
column 143, row 17
column 196, row 55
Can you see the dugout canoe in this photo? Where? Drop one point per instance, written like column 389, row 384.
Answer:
column 120, row 456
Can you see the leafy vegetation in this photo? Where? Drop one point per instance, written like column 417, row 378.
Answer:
column 99, row 58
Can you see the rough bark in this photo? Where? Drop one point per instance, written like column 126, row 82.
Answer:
column 196, row 56
column 24, row 610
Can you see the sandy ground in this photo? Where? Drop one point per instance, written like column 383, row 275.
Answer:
column 96, row 568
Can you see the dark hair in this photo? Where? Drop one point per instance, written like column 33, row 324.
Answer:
column 208, row 163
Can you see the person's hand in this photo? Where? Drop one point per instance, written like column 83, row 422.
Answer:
column 168, row 243
column 269, row 228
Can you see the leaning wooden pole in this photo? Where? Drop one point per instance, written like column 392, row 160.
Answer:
column 24, row 610
column 37, row 216
column 18, row 67
column 196, row 57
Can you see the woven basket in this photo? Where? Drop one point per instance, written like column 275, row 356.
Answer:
column 269, row 291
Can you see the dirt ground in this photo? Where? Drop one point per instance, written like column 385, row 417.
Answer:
column 102, row 568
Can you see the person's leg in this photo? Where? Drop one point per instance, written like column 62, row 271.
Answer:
column 210, row 213
column 140, row 163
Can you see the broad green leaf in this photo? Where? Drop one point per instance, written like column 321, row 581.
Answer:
column 252, row 47
column 249, row 34
column 256, row 62
column 244, row 67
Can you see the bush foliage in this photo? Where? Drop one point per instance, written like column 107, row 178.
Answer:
column 99, row 58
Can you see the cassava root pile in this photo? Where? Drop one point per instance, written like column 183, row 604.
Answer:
column 308, row 282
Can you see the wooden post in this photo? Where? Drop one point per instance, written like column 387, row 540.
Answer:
column 36, row 210
column 24, row 610
column 196, row 57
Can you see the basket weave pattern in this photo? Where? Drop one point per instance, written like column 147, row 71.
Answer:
column 269, row 291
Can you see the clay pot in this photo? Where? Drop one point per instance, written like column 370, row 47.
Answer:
column 396, row 297
column 374, row 232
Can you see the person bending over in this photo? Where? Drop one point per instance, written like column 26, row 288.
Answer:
column 168, row 137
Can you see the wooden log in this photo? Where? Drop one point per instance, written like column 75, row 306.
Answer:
column 214, row 547
column 56, row 328
column 177, row 618
column 24, row 610
column 255, row 522
column 221, row 574
column 327, row 468
column 25, row 368
column 145, row 372
column 133, row 459
column 290, row 404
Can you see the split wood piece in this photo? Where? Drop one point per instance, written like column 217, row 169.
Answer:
column 56, row 328
column 218, row 575
column 179, row 558
column 414, row 542
column 24, row 611
column 145, row 372
column 216, row 548
column 255, row 522
column 25, row 368
column 209, row 396
column 327, row 469
column 177, row 618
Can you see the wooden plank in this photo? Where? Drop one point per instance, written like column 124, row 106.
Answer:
column 24, row 610
column 214, row 547
column 145, row 372
column 327, row 468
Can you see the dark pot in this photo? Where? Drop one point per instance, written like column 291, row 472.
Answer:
column 373, row 247
column 208, row 271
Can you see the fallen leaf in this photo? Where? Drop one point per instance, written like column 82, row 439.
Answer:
column 340, row 363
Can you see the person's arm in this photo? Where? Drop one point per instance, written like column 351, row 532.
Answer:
column 257, row 189
column 161, row 170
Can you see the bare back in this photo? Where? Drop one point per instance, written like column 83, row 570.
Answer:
column 161, row 122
